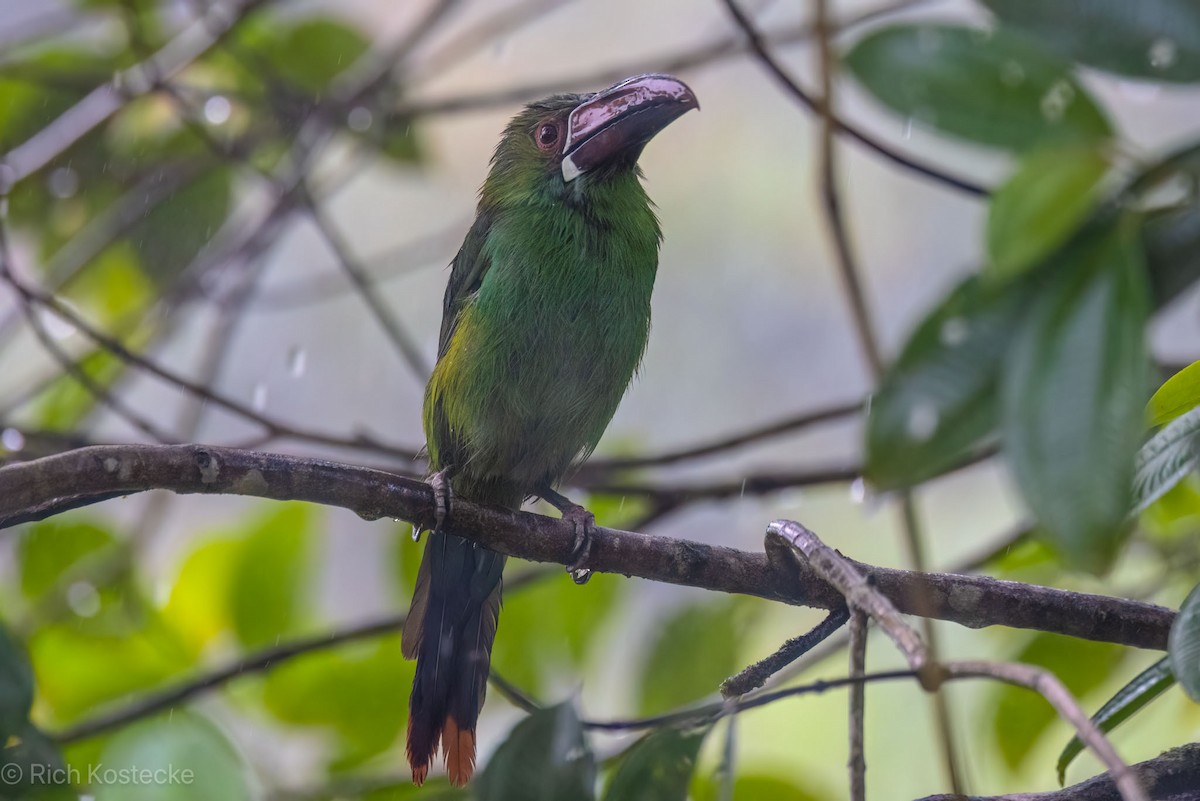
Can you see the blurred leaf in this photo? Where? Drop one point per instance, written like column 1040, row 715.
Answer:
column 548, row 627
column 402, row 144
column 47, row 549
column 435, row 789
column 65, row 402
column 171, row 234
column 939, row 399
column 1041, row 205
column 1183, row 647
column 1020, row 717
column 657, row 767
column 311, row 53
column 1157, row 39
column 78, row 668
column 1163, row 461
column 697, row 649
column 1147, row 686
column 1176, row 515
column 544, row 758
column 31, row 769
column 993, row 88
column 270, row 577
column 181, row 757
column 113, row 287
column 756, row 787
column 1171, row 236
column 1178, row 394
column 1171, row 240
column 16, row 685
column 195, row 607
column 354, row 690
column 1072, row 393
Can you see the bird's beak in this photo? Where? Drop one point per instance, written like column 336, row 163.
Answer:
column 622, row 118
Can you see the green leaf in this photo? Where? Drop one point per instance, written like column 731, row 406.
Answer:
column 549, row 627
column 697, row 648
column 758, row 787
column 544, row 758
column 1178, row 394
column 1171, row 236
column 182, row 757
column 1164, row 461
column 353, row 691
column 992, row 88
column 16, row 685
column 1072, row 393
column 939, row 399
column 49, row 548
column 1183, row 645
column 1157, row 39
column 194, row 609
column 1041, row 205
column 658, row 767
column 79, row 667
column 1020, row 717
column 269, row 580
column 312, row 53
column 172, row 233
column 1131, row 698
column 65, row 402
column 32, row 769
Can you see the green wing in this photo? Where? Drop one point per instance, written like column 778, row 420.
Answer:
column 466, row 274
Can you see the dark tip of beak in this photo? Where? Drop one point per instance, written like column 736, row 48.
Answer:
column 621, row 119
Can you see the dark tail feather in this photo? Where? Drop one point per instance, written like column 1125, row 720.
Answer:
column 449, row 631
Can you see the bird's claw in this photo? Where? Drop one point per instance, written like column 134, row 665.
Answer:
column 584, row 523
column 442, row 496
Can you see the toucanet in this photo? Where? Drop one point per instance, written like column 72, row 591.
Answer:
column 544, row 322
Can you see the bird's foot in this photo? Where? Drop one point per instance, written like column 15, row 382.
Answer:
column 583, row 523
column 442, row 497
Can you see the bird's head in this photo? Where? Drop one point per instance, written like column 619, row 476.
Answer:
column 562, row 146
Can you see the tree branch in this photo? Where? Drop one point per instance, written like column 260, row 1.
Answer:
column 1173, row 775
column 35, row 490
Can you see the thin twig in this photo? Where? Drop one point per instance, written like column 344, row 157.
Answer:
column 759, row 44
column 756, row 675
column 105, row 100
column 857, row 763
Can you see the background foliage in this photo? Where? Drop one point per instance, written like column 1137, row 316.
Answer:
column 184, row 225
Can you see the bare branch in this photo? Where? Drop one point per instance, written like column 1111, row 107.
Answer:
column 35, row 490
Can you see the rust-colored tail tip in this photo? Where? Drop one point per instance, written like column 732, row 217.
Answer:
column 419, row 773
column 459, row 745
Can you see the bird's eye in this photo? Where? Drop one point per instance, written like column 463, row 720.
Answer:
column 547, row 136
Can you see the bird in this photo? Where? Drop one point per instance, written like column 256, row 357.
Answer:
column 546, row 316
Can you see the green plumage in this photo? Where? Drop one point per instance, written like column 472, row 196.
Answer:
column 545, row 320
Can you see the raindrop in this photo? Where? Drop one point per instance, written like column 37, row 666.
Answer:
column 1163, row 53
column 260, row 397
column 1012, row 74
column 954, row 332
column 83, row 599
column 906, row 133
column 297, row 361
column 12, row 440
column 922, row 421
column 63, row 183
column 217, row 110
column 858, row 490
column 7, row 176
column 1055, row 101
column 359, row 119
column 742, row 493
